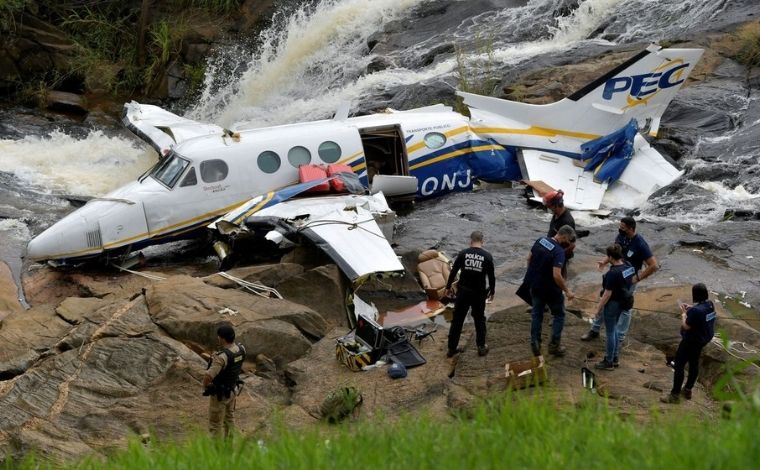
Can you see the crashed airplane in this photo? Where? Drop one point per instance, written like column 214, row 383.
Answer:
column 588, row 144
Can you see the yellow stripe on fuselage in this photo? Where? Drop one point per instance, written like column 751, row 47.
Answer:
column 255, row 208
column 455, row 153
column 538, row 131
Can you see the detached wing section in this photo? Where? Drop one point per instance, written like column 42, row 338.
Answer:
column 162, row 129
column 345, row 227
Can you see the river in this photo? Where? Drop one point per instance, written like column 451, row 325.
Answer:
column 316, row 55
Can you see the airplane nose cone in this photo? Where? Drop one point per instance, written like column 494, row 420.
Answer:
column 44, row 246
column 69, row 238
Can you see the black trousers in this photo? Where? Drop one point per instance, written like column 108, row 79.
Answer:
column 688, row 353
column 468, row 299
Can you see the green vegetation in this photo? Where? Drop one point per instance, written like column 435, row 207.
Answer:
column 219, row 6
column 532, row 432
column 8, row 11
column 475, row 74
column 109, row 55
column 749, row 43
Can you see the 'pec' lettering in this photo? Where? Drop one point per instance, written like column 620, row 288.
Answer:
column 644, row 84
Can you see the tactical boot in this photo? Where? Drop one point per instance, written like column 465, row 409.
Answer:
column 615, row 362
column 591, row 334
column 483, row 350
column 556, row 349
column 535, row 348
column 686, row 393
column 670, row 399
column 604, row 364
column 454, row 352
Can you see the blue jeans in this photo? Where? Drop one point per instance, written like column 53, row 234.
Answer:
column 623, row 324
column 611, row 315
column 556, row 306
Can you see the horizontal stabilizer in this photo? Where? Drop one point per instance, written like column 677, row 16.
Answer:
column 162, row 129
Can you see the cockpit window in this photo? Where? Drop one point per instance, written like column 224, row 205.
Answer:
column 213, row 171
column 190, row 179
column 168, row 171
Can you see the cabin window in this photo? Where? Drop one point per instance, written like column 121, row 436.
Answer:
column 268, row 161
column 298, row 156
column 213, row 171
column 434, row 140
column 329, row 152
column 190, row 179
column 168, row 171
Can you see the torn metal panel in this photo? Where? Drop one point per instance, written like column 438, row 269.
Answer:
column 343, row 227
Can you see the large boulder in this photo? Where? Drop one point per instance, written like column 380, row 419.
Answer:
column 50, row 286
column 25, row 336
column 323, row 289
column 9, row 302
column 190, row 310
column 125, row 377
column 271, row 275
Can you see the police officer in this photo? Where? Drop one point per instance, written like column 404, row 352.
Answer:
column 636, row 251
column 476, row 264
column 616, row 296
column 697, row 329
column 221, row 380
column 544, row 276
column 555, row 202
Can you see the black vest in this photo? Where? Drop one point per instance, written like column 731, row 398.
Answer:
column 227, row 377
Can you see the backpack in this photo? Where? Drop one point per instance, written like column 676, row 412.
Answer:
column 340, row 403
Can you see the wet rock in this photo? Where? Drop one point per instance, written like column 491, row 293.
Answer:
column 64, row 101
column 379, row 63
column 566, row 8
column 195, row 53
column 433, row 54
column 189, row 309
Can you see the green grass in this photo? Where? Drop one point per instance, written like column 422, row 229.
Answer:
column 520, row 433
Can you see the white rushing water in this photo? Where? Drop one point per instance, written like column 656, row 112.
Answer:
column 61, row 164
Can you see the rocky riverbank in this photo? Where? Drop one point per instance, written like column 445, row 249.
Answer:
column 103, row 355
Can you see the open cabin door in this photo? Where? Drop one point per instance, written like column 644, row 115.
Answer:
column 387, row 161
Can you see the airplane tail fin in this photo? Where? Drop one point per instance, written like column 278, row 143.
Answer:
column 642, row 87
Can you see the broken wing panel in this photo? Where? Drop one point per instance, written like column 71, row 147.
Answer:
column 354, row 241
column 162, row 129
column 560, row 172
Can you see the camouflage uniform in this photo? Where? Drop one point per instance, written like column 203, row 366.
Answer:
column 221, row 410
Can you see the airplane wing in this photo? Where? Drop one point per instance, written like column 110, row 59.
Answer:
column 162, row 129
column 343, row 226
